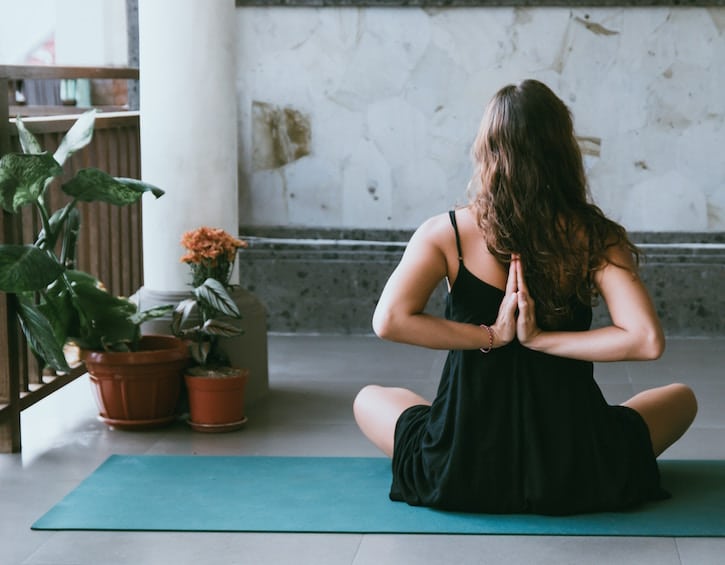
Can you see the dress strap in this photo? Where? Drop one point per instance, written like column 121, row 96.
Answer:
column 452, row 216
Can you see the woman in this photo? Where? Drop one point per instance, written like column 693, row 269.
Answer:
column 518, row 423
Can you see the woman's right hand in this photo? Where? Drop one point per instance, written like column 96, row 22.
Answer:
column 504, row 327
column 526, row 327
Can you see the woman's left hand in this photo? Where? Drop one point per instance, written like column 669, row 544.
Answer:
column 526, row 326
column 505, row 325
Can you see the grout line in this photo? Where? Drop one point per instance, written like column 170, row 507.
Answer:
column 357, row 549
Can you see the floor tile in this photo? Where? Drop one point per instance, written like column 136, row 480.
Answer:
column 515, row 550
column 167, row 548
column 701, row 551
column 313, row 380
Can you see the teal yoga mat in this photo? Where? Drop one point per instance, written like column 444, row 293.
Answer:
column 343, row 494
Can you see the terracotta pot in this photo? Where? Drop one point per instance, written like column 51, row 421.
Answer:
column 139, row 389
column 216, row 401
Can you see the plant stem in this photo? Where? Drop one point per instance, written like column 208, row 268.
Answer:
column 42, row 242
column 70, row 236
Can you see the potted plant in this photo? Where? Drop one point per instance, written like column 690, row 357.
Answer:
column 66, row 315
column 216, row 390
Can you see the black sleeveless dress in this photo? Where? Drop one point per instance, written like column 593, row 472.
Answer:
column 519, row 431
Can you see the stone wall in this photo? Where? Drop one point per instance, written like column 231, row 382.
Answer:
column 355, row 124
column 328, row 281
column 362, row 117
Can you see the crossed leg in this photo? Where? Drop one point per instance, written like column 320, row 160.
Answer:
column 667, row 410
column 377, row 409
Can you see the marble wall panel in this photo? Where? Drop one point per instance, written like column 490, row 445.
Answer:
column 394, row 96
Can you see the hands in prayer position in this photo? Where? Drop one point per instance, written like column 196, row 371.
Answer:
column 517, row 313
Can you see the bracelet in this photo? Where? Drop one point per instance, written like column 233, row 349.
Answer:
column 489, row 329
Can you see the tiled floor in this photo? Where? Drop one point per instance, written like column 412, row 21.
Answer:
column 308, row 412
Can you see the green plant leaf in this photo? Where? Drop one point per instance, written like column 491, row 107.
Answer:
column 70, row 233
column 58, row 308
column 26, row 268
column 78, row 136
column 23, row 178
column 151, row 313
column 28, row 141
column 67, row 214
column 107, row 318
column 41, row 337
column 200, row 351
column 81, row 277
column 116, row 344
column 213, row 295
column 141, row 186
column 220, row 328
column 181, row 314
column 91, row 185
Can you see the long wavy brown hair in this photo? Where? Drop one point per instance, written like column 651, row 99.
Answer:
column 530, row 195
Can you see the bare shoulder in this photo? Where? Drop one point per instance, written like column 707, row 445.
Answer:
column 433, row 246
column 467, row 221
column 435, row 225
column 620, row 255
column 617, row 259
column 435, row 231
column 618, row 281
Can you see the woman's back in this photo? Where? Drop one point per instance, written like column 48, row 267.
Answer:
column 519, row 431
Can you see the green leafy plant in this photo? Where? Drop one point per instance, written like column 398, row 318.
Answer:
column 210, row 312
column 56, row 303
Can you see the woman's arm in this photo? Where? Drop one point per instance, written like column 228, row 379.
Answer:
column 399, row 314
column 635, row 333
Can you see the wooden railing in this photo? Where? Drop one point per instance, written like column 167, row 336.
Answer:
column 110, row 243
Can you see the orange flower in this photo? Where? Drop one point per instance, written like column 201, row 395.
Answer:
column 210, row 253
column 211, row 244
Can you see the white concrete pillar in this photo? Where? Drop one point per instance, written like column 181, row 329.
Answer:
column 188, row 128
column 188, row 111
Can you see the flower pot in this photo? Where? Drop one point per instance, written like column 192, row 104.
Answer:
column 248, row 350
column 216, row 400
column 139, row 389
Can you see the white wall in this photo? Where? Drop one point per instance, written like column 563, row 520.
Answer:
column 91, row 32
column 86, row 32
column 24, row 26
column 394, row 97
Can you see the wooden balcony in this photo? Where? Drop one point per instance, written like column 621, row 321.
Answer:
column 110, row 244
